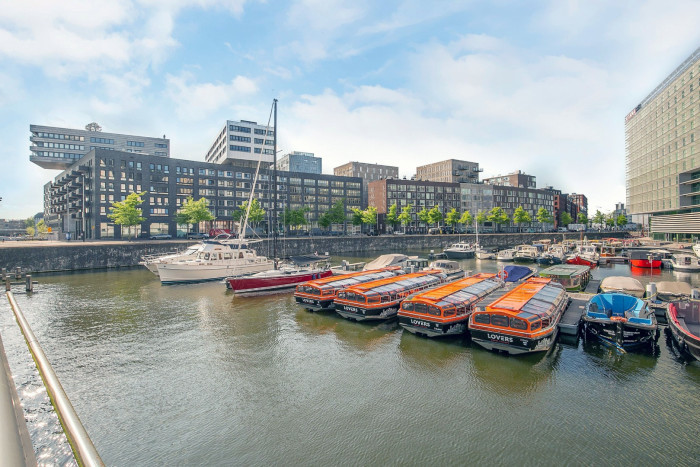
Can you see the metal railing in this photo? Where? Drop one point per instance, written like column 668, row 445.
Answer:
column 83, row 448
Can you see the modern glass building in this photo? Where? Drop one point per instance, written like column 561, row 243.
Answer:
column 300, row 162
column 662, row 155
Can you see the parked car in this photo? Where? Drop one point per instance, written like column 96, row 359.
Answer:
column 197, row 235
column 161, row 237
column 372, row 233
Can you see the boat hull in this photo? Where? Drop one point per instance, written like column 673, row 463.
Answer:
column 459, row 254
column 251, row 285
column 174, row 273
column 524, row 259
column 645, row 263
column 513, row 344
column 621, row 334
column 581, row 261
column 686, row 340
column 315, row 304
column 357, row 313
column 429, row 328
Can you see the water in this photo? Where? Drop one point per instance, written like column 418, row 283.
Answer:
column 192, row 375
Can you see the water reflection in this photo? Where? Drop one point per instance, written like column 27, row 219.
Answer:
column 432, row 354
column 648, row 272
column 623, row 366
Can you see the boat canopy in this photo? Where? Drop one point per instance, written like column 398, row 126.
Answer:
column 462, row 292
column 517, row 273
column 564, row 270
column 623, row 284
column 606, row 305
column 392, row 259
column 393, row 286
column 536, row 297
column 333, row 283
column 673, row 288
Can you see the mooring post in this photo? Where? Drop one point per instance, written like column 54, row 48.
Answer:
column 29, row 286
column 8, row 286
column 4, row 274
column 18, row 273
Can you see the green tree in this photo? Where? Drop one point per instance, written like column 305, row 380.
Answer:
column 41, row 228
column 466, row 219
column 520, row 217
column 294, row 217
column 405, row 216
column 582, row 218
column 452, row 217
column 544, row 217
column 424, row 216
column 255, row 216
column 31, row 231
column 193, row 212
column 435, row 216
column 392, row 217
column 598, row 218
column 610, row 219
column 369, row 215
column 126, row 213
column 565, row 219
column 498, row 216
column 621, row 220
column 324, row 220
column 357, row 217
column 336, row 214
column 29, row 222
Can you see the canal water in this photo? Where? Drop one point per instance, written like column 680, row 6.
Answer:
column 191, row 375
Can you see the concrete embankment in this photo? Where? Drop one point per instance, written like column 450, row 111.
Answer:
column 75, row 256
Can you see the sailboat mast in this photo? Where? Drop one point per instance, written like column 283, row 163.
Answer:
column 274, row 186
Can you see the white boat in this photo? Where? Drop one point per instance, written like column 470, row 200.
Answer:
column 214, row 261
column 622, row 284
column 382, row 261
column 588, row 253
column 452, row 269
column 685, row 263
column 505, row 255
column 485, row 254
column 461, row 250
column 526, row 254
column 151, row 261
column 696, row 249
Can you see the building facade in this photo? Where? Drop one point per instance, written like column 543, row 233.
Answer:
column 450, row 171
column 515, row 179
column 662, row 155
column 58, row 148
column 368, row 173
column 242, row 143
column 509, row 198
column 79, row 199
column 476, row 197
column 297, row 161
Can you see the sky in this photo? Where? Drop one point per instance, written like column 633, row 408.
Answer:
column 539, row 86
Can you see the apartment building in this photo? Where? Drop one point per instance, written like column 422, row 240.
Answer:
column 450, row 171
column 368, row 173
column 514, row 179
column 242, row 143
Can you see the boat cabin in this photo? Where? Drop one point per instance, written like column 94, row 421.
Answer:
column 572, row 277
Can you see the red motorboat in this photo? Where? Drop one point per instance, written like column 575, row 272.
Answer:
column 581, row 261
column 684, row 322
column 305, row 268
column 644, row 259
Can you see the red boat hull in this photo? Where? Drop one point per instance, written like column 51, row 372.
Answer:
column 259, row 285
column 581, row 262
column 645, row 263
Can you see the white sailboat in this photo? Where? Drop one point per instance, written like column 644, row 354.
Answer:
column 480, row 252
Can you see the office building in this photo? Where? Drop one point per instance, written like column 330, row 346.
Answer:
column 516, row 179
column 476, row 197
column 662, row 155
column 297, row 161
column 243, row 144
column 581, row 203
column 58, row 148
column 450, row 171
column 79, row 199
column 368, row 173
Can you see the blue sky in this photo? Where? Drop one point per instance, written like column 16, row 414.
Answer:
column 538, row 86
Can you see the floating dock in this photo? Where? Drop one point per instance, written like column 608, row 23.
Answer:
column 569, row 323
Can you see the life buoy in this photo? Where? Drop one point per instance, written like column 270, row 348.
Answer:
column 502, row 274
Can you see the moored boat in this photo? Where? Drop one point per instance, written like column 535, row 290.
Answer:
column 685, row 263
column 644, row 259
column 445, row 310
column 522, row 320
column 683, row 319
column 151, row 261
column 505, row 255
column 556, row 254
column 460, row 250
column 585, row 255
column 320, row 294
column 452, row 269
column 620, row 320
column 526, row 254
column 302, row 269
column 572, row 277
column 383, row 261
column 380, row 299
column 622, row 284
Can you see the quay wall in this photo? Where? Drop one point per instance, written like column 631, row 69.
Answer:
column 37, row 257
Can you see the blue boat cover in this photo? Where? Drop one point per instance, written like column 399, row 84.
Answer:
column 516, row 273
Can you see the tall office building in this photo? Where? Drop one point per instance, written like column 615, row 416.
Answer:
column 242, row 144
column 662, row 155
column 450, row 171
column 297, row 161
column 58, row 148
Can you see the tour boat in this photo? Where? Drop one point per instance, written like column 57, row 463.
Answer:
column 505, row 255
column 683, row 319
column 620, row 320
column 461, row 250
column 320, row 294
column 380, row 299
column 526, row 254
column 287, row 276
column 445, row 310
column 644, row 259
column 522, row 320
column 622, row 284
column 151, row 261
column 685, row 263
column 572, row 277
column 216, row 260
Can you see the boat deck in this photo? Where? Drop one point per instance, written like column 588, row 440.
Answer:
column 569, row 323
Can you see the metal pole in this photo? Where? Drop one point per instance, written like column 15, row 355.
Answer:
column 274, row 188
column 83, row 448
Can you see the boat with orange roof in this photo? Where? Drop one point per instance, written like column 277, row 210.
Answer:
column 380, row 299
column 521, row 320
column 445, row 310
column 320, row 294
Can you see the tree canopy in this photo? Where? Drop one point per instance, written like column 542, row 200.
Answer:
column 521, row 216
column 544, row 216
column 126, row 213
column 434, row 215
column 481, row 217
column 255, row 216
column 392, row 217
column 565, row 218
column 466, row 218
column 599, row 217
column 582, row 218
column 405, row 216
column 357, row 217
column 369, row 216
column 424, row 216
column 621, row 220
column 193, row 212
column 498, row 216
column 452, row 217
column 294, row 217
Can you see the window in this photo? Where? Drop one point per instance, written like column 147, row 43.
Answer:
column 137, row 144
column 239, row 148
column 482, row 318
column 499, row 320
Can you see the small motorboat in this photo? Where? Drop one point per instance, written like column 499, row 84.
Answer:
column 682, row 262
column 572, row 277
column 505, row 255
column 622, row 284
column 683, row 319
column 526, row 254
column 620, row 320
column 460, row 250
column 452, row 269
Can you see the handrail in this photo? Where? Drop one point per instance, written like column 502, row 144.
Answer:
column 83, row 448
column 15, row 444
